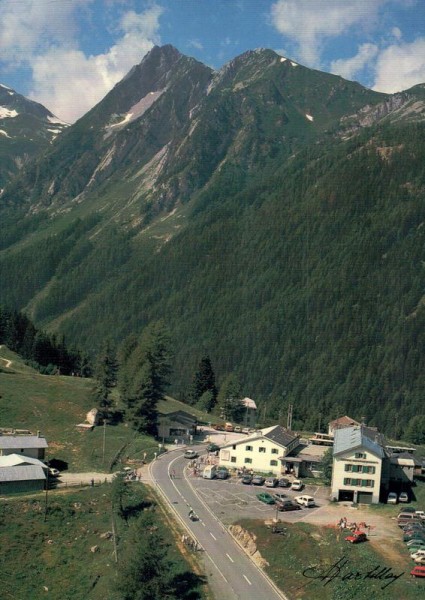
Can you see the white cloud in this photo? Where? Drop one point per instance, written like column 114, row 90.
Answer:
column 400, row 66
column 29, row 26
column 42, row 34
column 309, row 23
column 195, row 44
column 349, row 67
column 396, row 32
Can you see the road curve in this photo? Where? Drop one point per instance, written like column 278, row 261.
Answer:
column 232, row 574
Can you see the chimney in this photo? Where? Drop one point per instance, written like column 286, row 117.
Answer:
column 38, row 433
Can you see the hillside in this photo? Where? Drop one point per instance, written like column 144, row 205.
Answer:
column 26, row 129
column 272, row 215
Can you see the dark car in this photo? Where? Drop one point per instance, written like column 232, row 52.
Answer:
column 266, row 498
column 247, row 479
column 283, row 482
column 409, row 509
column 222, row 474
column 287, row 505
column 258, row 480
column 213, row 448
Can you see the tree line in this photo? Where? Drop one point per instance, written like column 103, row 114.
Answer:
column 47, row 353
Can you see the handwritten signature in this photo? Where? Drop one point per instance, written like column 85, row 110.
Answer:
column 340, row 571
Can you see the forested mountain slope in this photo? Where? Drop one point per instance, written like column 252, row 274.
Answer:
column 273, row 216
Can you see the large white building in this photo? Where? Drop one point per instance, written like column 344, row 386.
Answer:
column 260, row 451
column 358, row 457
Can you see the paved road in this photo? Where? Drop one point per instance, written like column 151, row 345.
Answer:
column 231, row 572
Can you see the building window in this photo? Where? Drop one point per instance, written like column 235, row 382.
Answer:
column 248, row 448
column 248, row 461
column 347, row 468
column 234, row 447
column 261, row 449
column 275, row 451
column 273, row 463
column 360, row 455
column 233, row 459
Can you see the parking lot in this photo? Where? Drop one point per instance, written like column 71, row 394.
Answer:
column 231, row 500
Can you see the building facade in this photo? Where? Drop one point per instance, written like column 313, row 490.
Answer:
column 261, row 451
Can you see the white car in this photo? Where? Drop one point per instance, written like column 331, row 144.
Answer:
column 297, row 485
column 392, row 498
column 418, row 554
column 420, row 513
column 191, row 454
column 307, row 501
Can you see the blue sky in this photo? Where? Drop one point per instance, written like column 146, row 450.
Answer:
column 67, row 54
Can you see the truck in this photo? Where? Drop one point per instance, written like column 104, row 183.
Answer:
column 210, row 471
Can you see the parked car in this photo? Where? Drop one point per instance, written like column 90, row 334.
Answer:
column 245, row 430
column 279, row 497
column 420, row 560
column 238, row 429
column 258, row 480
column 392, row 498
column 420, row 513
column 418, row 554
column 404, row 497
column 266, row 498
column 409, row 509
column 413, row 535
column 287, row 505
column 415, row 542
column 418, row 571
column 246, row 479
column 297, row 485
column 191, row 454
column 356, row 537
column 307, row 501
column 213, row 448
column 283, row 482
column 271, row 482
column 413, row 549
column 222, row 473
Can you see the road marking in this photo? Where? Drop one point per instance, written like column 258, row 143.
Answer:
column 230, row 558
column 247, row 580
column 213, row 536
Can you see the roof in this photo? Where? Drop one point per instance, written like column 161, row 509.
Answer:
column 351, row 438
column 179, row 416
column 344, row 421
column 14, row 460
column 21, row 474
column 249, row 403
column 22, row 441
column 276, row 434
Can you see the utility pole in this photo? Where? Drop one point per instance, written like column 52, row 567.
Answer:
column 104, row 440
column 289, row 421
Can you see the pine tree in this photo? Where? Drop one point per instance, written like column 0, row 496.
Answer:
column 229, row 400
column 203, row 381
column 146, row 573
column 105, row 374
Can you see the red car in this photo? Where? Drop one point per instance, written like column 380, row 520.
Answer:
column 418, row 572
column 356, row 537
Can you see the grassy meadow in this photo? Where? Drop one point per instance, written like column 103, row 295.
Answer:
column 301, row 562
column 54, row 405
column 53, row 557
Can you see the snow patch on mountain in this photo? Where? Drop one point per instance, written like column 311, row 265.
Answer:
column 5, row 87
column 6, row 113
column 309, row 117
column 3, row 132
column 294, row 64
column 138, row 109
column 55, row 121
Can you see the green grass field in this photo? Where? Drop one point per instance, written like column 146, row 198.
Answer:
column 52, row 558
column 54, row 405
column 303, row 561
